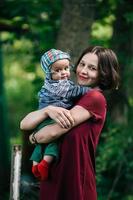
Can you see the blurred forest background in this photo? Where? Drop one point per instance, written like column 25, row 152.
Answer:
column 30, row 27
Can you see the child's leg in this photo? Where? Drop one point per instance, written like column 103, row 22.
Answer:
column 50, row 153
column 48, row 158
column 36, row 157
column 37, row 154
column 41, row 169
column 52, row 149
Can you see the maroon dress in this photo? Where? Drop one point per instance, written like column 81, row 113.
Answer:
column 73, row 176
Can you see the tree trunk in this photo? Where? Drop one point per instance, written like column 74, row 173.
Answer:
column 76, row 22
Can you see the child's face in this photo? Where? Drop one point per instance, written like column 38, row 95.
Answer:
column 60, row 69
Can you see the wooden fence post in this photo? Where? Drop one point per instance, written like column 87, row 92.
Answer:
column 15, row 172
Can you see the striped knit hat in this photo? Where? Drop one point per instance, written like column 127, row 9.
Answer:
column 51, row 56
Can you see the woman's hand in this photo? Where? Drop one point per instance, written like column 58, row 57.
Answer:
column 61, row 115
column 53, row 131
column 32, row 138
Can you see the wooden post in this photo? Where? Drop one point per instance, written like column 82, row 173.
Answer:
column 15, row 172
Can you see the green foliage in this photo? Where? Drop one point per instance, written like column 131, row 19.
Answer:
column 28, row 28
column 114, row 158
column 102, row 31
column 37, row 20
column 114, row 162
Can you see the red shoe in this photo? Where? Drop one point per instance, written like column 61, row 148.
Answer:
column 43, row 169
column 35, row 171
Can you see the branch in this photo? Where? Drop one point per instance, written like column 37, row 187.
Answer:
column 115, row 180
column 13, row 28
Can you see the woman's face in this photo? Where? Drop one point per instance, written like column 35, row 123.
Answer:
column 87, row 72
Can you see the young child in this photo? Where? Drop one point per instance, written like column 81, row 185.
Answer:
column 57, row 90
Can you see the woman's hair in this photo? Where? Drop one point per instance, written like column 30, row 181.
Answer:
column 107, row 65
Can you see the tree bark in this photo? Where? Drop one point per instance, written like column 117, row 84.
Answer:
column 76, row 22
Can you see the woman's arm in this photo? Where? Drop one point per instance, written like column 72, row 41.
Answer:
column 52, row 132
column 60, row 115
column 30, row 121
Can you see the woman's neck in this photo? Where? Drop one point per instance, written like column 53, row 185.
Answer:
column 96, row 87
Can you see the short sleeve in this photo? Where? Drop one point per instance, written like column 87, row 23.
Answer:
column 95, row 103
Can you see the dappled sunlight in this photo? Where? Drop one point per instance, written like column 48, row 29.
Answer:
column 103, row 30
column 23, row 45
column 27, row 30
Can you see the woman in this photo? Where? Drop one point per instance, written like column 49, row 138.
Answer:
column 73, row 176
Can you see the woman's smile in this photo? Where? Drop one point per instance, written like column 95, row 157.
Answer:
column 83, row 77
